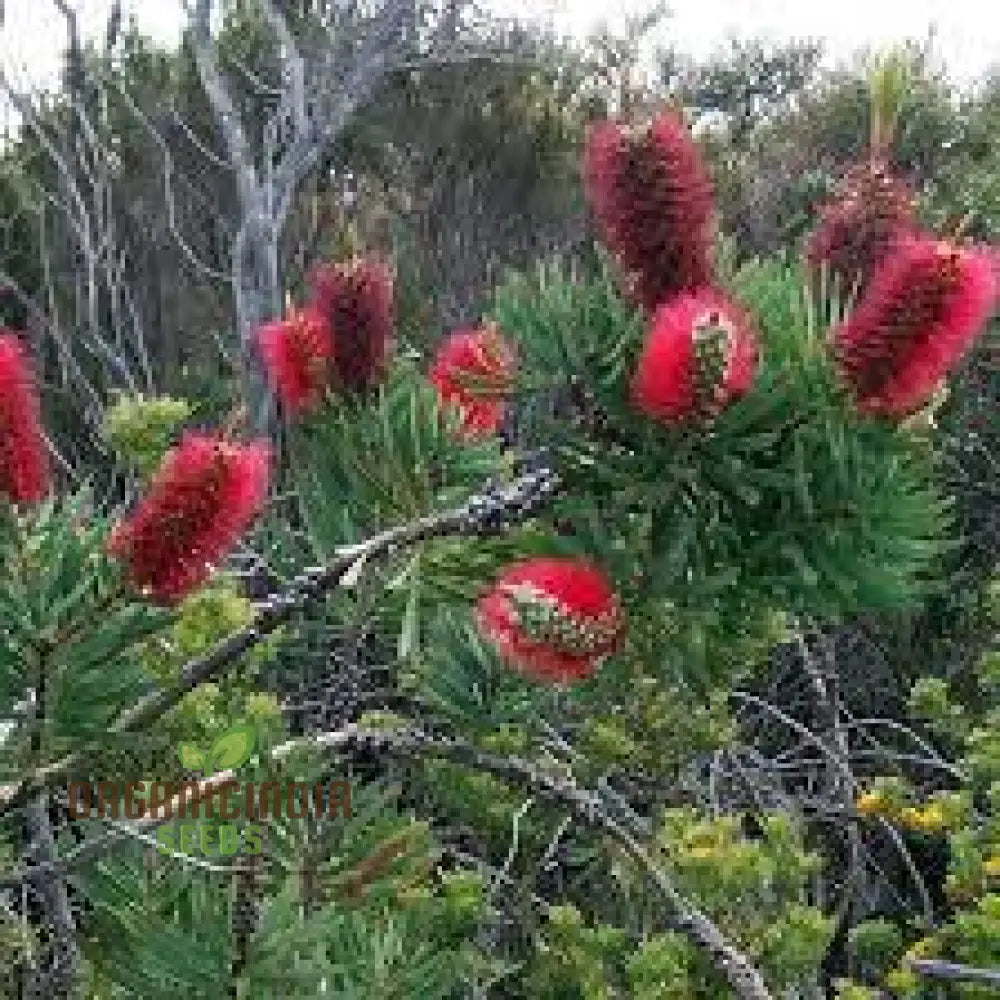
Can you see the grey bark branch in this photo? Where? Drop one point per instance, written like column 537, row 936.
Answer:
column 822, row 673
column 168, row 192
column 84, row 207
column 222, row 103
column 57, row 976
column 933, row 969
column 293, row 99
column 369, row 70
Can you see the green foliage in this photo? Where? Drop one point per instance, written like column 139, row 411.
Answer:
column 854, row 991
column 381, row 922
column 660, row 969
column 574, row 957
column 983, row 749
column 737, row 879
column 206, row 713
column 930, row 701
column 703, row 505
column 724, row 874
column 141, row 430
column 148, row 950
column 67, row 628
column 386, row 461
column 967, row 185
column 201, row 620
column 973, row 938
column 794, row 945
column 789, row 504
column 751, row 80
column 876, row 942
column 229, row 751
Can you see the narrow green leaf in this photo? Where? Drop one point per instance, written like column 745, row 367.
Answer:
column 409, row 637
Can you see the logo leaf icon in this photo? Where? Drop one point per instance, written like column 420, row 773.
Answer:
column 190, row 757
column 233, row 747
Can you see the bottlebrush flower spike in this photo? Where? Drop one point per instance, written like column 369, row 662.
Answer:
column 856, row 231
column 653, row 202
column 926, row 305
column 551, row 618
column 699, row 355
column 297, row 352
column 356, row 299
column 474, row 371
column 24, row 467
column 203, row 497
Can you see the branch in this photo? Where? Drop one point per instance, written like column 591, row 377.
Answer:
column 930, row 969
column 851, row 782
column 170, row 201
column 64, row 956
column 222, row 103
column 92, row 414
column 293, row 96
column 92, row 226
column 494, row 510
column 368, row 72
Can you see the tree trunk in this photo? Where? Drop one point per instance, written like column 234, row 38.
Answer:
column 257, row 287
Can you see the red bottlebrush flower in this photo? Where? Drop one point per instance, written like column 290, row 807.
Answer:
column 356, row 299
column 203, row 497
column 24, row 466
column 473, row 371
column 856, row 231
column 551, row 618
column 653, row 201
column 297, row 353
column 926, row 305
column 699, row 355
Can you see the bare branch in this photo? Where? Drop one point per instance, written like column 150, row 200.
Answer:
column 222, row 103
column 293, row 99
column 931, row 969
column 368, row 72
column 198, row 143
column 168, row 193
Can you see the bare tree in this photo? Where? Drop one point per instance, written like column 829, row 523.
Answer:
column 315, row 101
column 84, row 304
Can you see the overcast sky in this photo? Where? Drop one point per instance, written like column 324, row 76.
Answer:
column 968, row 38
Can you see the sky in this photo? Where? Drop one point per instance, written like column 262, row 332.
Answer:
column 967, row 39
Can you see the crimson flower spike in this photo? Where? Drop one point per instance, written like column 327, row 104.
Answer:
column 24, row 466
column 473, row 372
column 356, row 300
column 205, row 494
column 858, row 228
column 653, row 202
column 552, row 619
column 700, row 354
column 297, row 353
column 928, row 302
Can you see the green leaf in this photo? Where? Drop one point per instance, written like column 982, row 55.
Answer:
column 191, row 757
column 409, row 637
column 233, row 747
